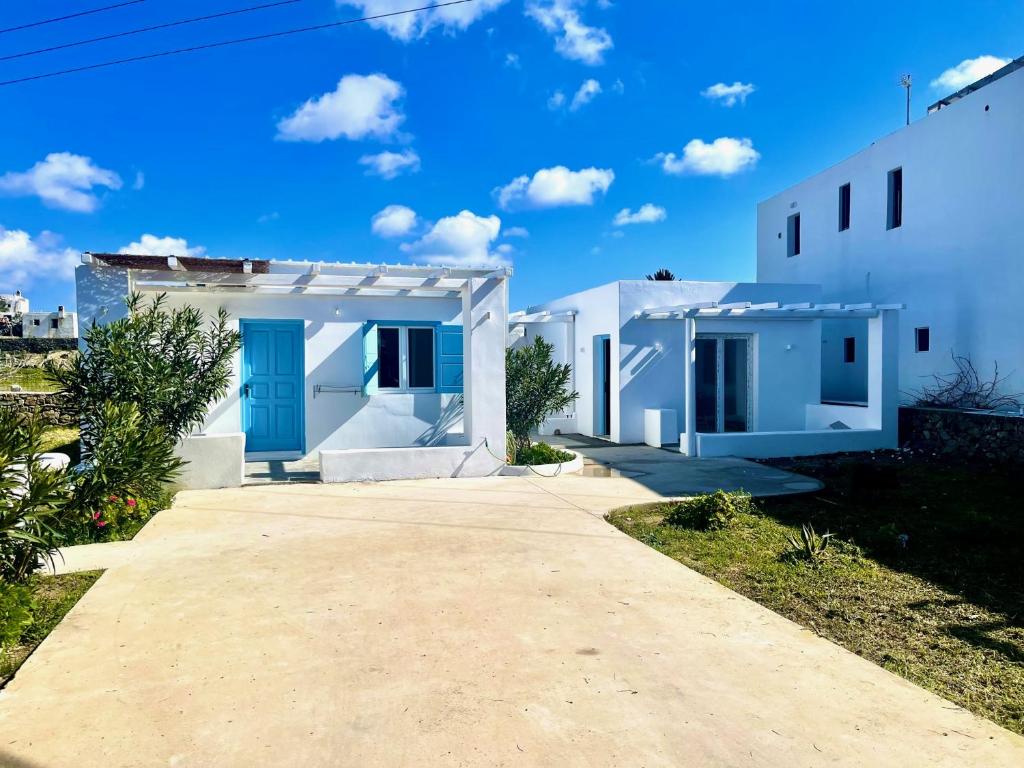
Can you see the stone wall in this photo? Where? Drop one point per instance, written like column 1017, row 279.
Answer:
column 52, row 407
column 972, row 436
column 36, row 346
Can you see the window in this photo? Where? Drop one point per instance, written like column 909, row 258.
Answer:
column 922, row 339
column 849, row 349
column 405, row 358
column 36, row 322
column 895, row 204
column 54, row 323
column 844, row 207
column 793, row 241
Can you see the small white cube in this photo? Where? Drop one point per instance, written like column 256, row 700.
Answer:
column 661, row 426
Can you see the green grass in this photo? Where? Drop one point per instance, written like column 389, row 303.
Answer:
column 943, row 607
column 62, row 440
column 31, row 380
column 54, row 596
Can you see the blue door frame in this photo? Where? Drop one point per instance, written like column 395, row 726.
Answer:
column 273, row 385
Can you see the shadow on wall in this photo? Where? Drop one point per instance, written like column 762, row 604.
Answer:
column 450, row 415
column 328, row 413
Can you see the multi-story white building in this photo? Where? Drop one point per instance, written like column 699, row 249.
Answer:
column 12, row 304
column 931, row 216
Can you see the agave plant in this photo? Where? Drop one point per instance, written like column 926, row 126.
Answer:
column 811, row 546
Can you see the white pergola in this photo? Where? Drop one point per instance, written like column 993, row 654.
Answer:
column 745, row 310
column 176, row 274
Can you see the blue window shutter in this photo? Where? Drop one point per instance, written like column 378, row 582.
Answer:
column 449, row 359
column 370, row 364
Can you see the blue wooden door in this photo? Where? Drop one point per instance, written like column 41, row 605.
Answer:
column 272, row 385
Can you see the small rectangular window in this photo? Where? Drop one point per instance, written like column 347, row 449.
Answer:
column 895, row 202
column 844, row 207
column 922, row 339
column 849, row 349
column 35, row 321
column 388, row 359
column 54, row 323
column 421, row 358
column 793, row 239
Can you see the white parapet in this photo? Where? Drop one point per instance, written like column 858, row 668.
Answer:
column 370, row 464
column 661, row 426
column 214, row 461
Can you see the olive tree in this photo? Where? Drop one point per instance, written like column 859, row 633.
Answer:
column 535, row 388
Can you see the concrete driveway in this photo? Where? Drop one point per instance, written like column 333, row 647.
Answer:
column 452, row 623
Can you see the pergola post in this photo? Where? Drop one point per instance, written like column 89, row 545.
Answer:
column 690, row 379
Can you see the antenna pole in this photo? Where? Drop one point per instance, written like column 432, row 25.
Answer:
column 907, row 81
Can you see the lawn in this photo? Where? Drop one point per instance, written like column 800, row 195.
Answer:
column 924, row 576
column 31, row 379
column 62, row 440
column 54, row 596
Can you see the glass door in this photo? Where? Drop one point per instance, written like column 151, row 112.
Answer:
column 723, row 377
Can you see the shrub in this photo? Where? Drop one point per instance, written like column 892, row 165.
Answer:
column 122, row 482
column 15, row 612
column 171, row 363
column 540, row 453
column 710, row 511
column 31, row 498
column 535, row 388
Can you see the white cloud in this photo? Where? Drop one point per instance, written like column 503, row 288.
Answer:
column 554, row 187
column 556, row 101
column 573, row 39
column 968, row 71
column 62, row 180
column 24, row 260
column 585, row 94
column 515, row 232
column 140, row 180
column 462, row 240
column 729, row 95
column 390, row 165
column 151, row 245
column 512, row 60
column 268, row 217
column 618, row 86
column 360, row 107
column 724, row 156
column 411, row 26
column 648, row 213
column 394, row 221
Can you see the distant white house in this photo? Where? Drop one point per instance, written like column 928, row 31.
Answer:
column 13, row 304
column 929, row 216
column 50, row 325
column 385, row 372
column 719, row 368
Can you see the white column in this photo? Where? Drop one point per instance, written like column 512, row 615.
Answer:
column 484, row 333
column 883, row 374
column 688, row 443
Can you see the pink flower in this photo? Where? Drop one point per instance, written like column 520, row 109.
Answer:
column 113, row 498
column 131, row 502
column 100, row 523
column 96, row 515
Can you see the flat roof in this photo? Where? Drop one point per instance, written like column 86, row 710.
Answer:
column 1013, row 66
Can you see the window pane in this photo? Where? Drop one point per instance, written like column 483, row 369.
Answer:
column 421, row 357
column 923, row 339
column 844, row 207
column 849, row 349
column 706, row 354
column 735, row 416
column 387, row 358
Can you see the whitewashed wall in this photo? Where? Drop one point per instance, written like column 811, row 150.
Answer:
column 957, row 261
column 334, row 356
column 650, row 357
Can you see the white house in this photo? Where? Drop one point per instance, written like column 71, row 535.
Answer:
column 385, row 372
column 929, row 216
column 719, row 368
column 50, row 325
column 12, row 304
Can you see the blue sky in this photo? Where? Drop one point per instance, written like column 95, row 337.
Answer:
column 254, row 151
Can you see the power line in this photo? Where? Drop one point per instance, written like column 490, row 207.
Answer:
column 223, row 43
column 71, row 16
column 140, row 30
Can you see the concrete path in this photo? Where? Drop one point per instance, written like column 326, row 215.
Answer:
column 494, row 622
column 670, row 473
